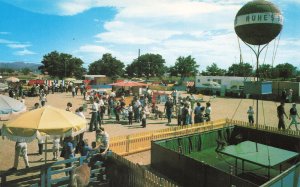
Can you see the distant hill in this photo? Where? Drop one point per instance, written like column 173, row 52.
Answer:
column 19, row 65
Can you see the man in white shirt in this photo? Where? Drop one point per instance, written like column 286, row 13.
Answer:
column 94, row 118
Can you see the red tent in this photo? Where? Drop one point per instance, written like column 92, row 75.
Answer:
column 128, row 84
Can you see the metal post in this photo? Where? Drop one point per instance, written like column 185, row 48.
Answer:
column 65, row 69
column 45, row 150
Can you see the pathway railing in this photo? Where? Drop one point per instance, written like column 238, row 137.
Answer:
column 125, row 145
column 134, row 143
column 137, row 175
column 267, row 128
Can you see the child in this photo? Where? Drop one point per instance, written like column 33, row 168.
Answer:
column 69, row 107
column 250, row 113
column 55, row 148
column 86, row 149
column 130, row 114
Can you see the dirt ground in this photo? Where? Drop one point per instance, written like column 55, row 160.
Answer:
column 221, row 108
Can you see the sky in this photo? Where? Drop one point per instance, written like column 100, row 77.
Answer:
column 204, row 29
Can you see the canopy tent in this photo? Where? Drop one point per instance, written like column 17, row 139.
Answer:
column 12, row 79
column 128, row 84
column 10, row 106
column 3, row 86
column 70, row 79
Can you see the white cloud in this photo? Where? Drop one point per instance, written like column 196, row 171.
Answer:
column 4, row 41
column 24, row 52
column 18, row 45
column 172, row 28
column 92, row 49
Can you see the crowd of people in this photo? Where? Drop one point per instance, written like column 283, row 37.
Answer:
column 187, row 110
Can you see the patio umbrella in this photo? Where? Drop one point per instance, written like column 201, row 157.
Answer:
column 10, row 106
column 47, row 120
column 3, row 87
column 128, row 83
column 42, row 122
column 12, row 79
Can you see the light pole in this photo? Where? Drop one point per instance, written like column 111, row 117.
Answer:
column 148, row 75
column 65, row 68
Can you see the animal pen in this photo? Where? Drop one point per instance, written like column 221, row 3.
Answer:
column 132, row 174
column 251, row 157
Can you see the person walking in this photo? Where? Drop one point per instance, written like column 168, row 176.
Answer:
column 174, row 95
column 130, row 114
column 290, row 95
column 293, row 115
column 208, row 111
column 283, row 95
column 55, row 147
column 94, row 118
column 250, row 113
column 73, row 90
column 185, row 114
column 169, row 109
column 20, row 151
column 280, row 114
column 144, row 114
column 43, row 98
column 179, row 113
column 41, row 142
column 197, row 113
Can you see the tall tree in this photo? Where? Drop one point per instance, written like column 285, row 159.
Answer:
column 107, row 65
column 25, row 71
column 240, row 69
column 62, row 65
column 285, row 71
column 265, row 71
column 214, row 70
column 149, row 65
column 185, row 66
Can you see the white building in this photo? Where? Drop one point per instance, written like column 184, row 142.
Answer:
column 227, row 82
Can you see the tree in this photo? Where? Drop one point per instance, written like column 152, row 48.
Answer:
column 285, row 71
column 107, row 65
column 240, row 69
column 185, row 66
column 62, row 65
column 25, row 71
column 214, row 70
column 265, row 71
column 149, row 65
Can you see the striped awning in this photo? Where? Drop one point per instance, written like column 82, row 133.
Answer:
column 190, row 83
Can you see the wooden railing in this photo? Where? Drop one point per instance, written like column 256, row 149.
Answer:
column 139, row 176
column 125, row 145
column 130, row 144
column 272, row 129
column 49, row 174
